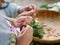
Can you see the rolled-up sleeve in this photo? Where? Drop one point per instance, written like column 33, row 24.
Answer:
column 12, row 10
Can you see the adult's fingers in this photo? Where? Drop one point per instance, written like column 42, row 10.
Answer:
column 27, row 8
column 27, row 13
column 24, row 30
column 34, row 6
column 35, row 9
column 22, row 33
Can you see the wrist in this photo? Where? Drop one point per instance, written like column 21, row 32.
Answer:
column 20, row 10
column 12, row 20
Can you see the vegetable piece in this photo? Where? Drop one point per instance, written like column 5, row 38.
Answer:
column 41, row 33
column 47, row 6
column 38, row 31
column 59, row 9
column 32, row 23
column 44, row 6
column 36, row 43
column 40, row 25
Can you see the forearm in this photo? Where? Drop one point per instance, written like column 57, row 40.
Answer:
column 9, row 19
column 23, row 37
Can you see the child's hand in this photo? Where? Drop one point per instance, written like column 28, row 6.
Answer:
column 23, row 19
column 26, row 36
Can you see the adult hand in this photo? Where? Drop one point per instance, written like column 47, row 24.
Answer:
column 26, row 36
column 27, row 8
column 28, row 11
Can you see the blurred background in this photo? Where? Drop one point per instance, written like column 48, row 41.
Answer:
column 37, row 2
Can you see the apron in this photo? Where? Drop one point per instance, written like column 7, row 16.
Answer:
column 7, row 34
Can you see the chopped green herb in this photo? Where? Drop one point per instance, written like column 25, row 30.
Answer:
column 38, row 31
column 40, row 25
column 46, row 6
column 32, row 23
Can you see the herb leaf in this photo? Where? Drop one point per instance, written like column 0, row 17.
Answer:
column 38, row 31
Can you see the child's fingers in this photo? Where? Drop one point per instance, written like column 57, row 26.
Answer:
column 20, row 19
column 26, row 19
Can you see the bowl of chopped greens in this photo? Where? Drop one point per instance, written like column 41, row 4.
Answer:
column 46, row 27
